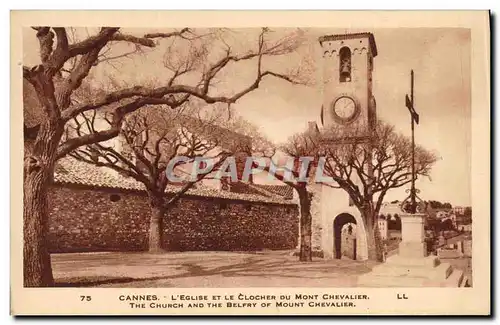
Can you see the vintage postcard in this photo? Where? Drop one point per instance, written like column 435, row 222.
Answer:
column 250, row 163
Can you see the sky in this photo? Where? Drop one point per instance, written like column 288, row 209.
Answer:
column 440, row 59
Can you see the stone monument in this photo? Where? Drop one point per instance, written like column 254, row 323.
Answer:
column 412, row 266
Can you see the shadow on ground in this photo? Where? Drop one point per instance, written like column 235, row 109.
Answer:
column 208, row 269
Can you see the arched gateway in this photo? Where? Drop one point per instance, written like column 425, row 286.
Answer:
column 338, row 228
column 344, row 236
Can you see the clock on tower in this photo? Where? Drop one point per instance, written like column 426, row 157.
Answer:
column 348, row 102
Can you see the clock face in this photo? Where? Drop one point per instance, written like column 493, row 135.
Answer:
column 345, row 109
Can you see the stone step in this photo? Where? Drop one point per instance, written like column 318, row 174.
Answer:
column 454, row 280
column 441, row 272
column 430, row 260
column 377, row 281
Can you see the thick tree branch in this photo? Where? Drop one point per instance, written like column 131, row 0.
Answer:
column 116, row 123
column 44, row 88
column 201, row 92
column 62, row 41
column 167, row 35
column 83, row 47
column 46, row 40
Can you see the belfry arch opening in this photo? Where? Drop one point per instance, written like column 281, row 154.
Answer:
column 345, row 64
column 344, row 236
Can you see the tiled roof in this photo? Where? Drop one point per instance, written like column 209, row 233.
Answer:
column 247, row 188
column 281, row 190
column 71, row 171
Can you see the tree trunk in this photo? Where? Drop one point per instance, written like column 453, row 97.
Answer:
column 371, row 242
column 155, row 227
column 305, row 225
column 373, row 239
column 38, row 169
column 37, row 266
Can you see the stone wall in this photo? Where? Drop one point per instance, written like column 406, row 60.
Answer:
column 86, row 219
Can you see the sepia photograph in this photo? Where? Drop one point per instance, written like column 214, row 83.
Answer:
column 325, row 158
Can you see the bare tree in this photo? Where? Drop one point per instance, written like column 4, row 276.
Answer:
column 300, row 146
column 150, row 141
column 259, row 146
column 347, row 158
column 65, row 66
column 296, row 176
column 367, row 170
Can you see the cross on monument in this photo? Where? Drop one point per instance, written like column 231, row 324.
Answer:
column 410, row 104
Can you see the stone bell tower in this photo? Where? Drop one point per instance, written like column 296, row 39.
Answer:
column 349, row 109
column 348, row 101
